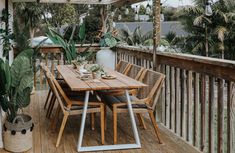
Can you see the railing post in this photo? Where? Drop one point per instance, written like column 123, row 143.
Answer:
column 157, row 29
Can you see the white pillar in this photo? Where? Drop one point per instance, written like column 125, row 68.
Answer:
column 2, row 5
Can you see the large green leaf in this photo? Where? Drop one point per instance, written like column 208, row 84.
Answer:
column 4, row 102
column 82, row 32
column 111, row 42
column 5, row 79
column 23, row 91
column 69, row 47
column 20, row 66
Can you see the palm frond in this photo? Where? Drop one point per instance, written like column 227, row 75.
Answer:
column 221, row 31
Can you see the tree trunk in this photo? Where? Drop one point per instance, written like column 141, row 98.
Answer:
column 31, row 32
column 103, row 20
column 207, row 44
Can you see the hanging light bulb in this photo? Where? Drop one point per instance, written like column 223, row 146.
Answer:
column 136, row 9
column 208, row 9
column 126, row 11
column 119, row 17
column 136, row 13
column 114, row 24
column 162, row 17
column 112, row 14
column 136, row 16
column 148, row 9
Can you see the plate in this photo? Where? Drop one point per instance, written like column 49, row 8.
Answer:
column 108, row 77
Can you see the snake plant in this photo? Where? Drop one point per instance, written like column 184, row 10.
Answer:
column 16, row 83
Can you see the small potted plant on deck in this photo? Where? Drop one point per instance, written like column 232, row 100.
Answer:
column 16, row 84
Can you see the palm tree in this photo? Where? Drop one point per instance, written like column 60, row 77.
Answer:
column 211, row 31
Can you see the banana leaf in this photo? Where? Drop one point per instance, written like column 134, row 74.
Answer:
column 4, row 103
column 5, row 79
column 82, row 32
column 69, row 47
column 20, row 66
column 23, row 91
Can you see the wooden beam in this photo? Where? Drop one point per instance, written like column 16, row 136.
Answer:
column 117, row 3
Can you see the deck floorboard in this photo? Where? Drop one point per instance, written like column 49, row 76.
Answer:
column 44, row 138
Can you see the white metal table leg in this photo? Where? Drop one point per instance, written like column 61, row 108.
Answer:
column 136, row 145
column 133, row 123
column 83, row 120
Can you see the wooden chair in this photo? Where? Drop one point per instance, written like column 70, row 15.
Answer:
column 123, row 67
column 144, row 102
column 50, row 97
column 133, row 71
column 73, row 106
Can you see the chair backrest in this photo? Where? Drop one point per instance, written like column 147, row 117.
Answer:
column 151, row 93
column 135, row 71
column 122, row 67
column 58, row 92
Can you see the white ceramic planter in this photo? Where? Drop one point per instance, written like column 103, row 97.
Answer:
column 106, row 57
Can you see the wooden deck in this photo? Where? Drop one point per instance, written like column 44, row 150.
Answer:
column 45, row 139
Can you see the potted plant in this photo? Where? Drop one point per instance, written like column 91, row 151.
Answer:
column 16, row 84
column 96, row 70
column 106, row 56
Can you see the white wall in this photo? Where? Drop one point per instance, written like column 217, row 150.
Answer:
column 2, row 25
column 2, row 5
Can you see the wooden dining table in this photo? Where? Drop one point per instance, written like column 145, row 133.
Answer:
column 120, row 82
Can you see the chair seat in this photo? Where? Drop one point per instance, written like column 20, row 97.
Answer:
column 62, row 83
column 112, row 100
column 80, row 98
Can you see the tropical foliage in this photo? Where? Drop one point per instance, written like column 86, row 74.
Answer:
column 138, row 38
column 16, row 83
column 217, row 30
column 29, row 14
column 108, row 39
column 68, row 47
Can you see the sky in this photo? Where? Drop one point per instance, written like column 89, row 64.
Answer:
column 174, row 3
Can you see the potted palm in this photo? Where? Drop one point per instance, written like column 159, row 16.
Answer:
column 106, row 56
column 16, row 84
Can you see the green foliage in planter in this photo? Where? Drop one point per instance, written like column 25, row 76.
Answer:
column 96, row 68
column 108, row 40
column 68, row 47
column 16, row 83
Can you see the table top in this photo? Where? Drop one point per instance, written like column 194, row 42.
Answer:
column 76, row 84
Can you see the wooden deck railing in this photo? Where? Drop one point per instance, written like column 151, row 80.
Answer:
column 197, row 101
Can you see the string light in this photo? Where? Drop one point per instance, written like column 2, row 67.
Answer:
column 148, row 9
column 208, row 9
column 126, row 10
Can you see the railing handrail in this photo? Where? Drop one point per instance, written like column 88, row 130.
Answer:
column 195, row 89
column 220, row 68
